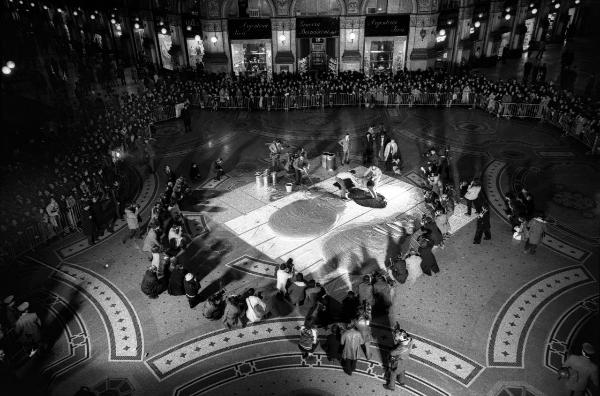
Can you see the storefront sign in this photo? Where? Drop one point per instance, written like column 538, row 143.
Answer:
column 251, row 29
column 317, row 27
column 387, row 25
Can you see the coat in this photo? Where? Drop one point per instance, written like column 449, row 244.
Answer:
column 367, row 144
column 441, row 221
column 391, row 149
column 296, row 292
column 428, row 261
column 87, row 222
column 351, row 340
column 583, row 371
column 132, row 218
column 28, row 328
column 232, row 315
column 176, row 282
column 536, row 230
column 150, row 241
column 400, row 356
column 150, row 285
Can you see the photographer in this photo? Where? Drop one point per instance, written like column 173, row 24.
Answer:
column 214, row 306
column 133, row 221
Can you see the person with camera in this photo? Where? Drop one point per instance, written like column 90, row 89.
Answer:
column 192, row 288
column 213, row 306
column 399, row 357
column 472, row 195
column 232, row 316
column 133, row 221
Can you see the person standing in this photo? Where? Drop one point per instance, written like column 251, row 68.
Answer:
column 535, row 229
column 367, row 149
column 399, row 357
column 28, row 329
column 151, row 241
column 483, row 225
column 300, row 166
column 192, row 288
column 151, row 285
column 256, row 308
column 472, row 197
column 308, row 338
column 390, row 154
column 352, row 341
column 333, row 343
column 428, row 260
column 88, row 225
column 186, row 115
column 275, row 151
column 133, row 224
column 9, row 314
column 345, row 143
column 219, row 172
column 150, row 155
column 176, row 279
column 582, row 371
column 527, row 70
column 284, row 274
column 373, row 176
column 296, row 291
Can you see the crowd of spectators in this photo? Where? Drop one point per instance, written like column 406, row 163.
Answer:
column 81, row 165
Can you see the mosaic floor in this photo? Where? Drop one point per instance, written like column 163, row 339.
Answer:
column 493, row 322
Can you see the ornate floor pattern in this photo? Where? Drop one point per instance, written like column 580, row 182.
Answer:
column 514, row 320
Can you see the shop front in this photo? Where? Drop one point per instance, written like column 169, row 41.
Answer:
column 317, row 41
column 251, row 50
column 194, row 45
column 385, row 43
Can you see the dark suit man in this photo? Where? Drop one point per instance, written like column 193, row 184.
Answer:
column 368, row 143
column 483, row 225
column 88, row 224
column 382, row 141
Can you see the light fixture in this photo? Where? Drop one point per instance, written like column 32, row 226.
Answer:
column 531, row 5
column 92, row 16
column 45, row 7
column 557, row 6
column 480, row 15
column 507, row 17
column 477, row 24
column 59, row 10
column 188, row 28
column 136, row 25
column 75, row 13
column 507, row 9
column 214, row 40
column 6, row 70
column 471, row 30
column 112, row 15
column 534, row 11
column 197, row 38
column 95, row 11
column 442, row 32
column 352, row 36
column 32, row 4
column 576, row 2
column 10, row 64
column 449, row 22
column 282, row 37
column 161, row 23
column 163, row 31
column 113, row 21
column 137, row 18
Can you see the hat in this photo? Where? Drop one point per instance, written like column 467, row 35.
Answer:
column 9, row 299
column 23, row 307
column 189, row 277
column 588, row 348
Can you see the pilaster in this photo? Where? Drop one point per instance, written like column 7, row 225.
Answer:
column 217, row 57
column 284, row 44
column 352, row 42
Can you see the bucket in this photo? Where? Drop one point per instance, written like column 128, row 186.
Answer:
column 274, row 178
column 266, row 181
column 259, row 181
column 289, row 187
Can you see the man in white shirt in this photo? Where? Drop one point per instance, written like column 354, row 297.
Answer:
column 390, row 154
column 342, row 178
column 345, row 143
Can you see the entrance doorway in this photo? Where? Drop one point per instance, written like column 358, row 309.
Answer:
column 314, row 53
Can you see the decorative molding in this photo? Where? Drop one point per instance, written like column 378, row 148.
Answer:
column 352, row 22
column 423, row 20
column 283, row 7
column 283, row 24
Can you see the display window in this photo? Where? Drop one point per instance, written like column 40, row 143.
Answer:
column 252, row 58
column 164, row 43
column 384, row 55
column 195, row 50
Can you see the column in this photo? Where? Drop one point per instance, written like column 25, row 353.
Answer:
column 216, row 49
column 284, row 44
column 516, row 36
column 352, row 43
column 421, row 41
column 494, row 22
column 462, row 44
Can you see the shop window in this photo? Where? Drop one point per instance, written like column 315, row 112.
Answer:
column 249, row 9
column 317, row 7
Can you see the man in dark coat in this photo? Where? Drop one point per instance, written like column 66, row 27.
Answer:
column 483, row 225
column 151, row 286
column 191, row 287
column 187, row 118
column 88, row 224
column 176, row 280
column 428, row 260
column 367, row 144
